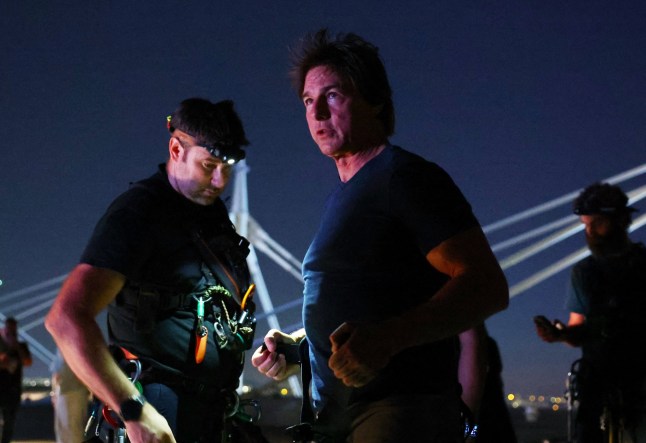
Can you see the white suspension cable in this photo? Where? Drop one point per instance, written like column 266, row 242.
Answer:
column 52, row 281
column 634, row 196
column 533, row 233
column 33, row 324
column 274, row 245
column 548, row 272
column 551, row 240
column 49, row 295
column 565, row 262
column 559, row 201
column 44, row 306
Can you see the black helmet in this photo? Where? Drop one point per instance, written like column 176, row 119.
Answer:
column 602, row 198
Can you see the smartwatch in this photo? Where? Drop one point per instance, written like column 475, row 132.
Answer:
column 130, row 409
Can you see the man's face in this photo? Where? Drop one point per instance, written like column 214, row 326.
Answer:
column 196, row 174
column 339, row 119
column 602, row 235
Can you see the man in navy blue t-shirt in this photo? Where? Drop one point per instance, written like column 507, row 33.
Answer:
column 398, row 268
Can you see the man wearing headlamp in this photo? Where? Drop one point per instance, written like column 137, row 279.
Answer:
column 607, row 305
column 168, row 303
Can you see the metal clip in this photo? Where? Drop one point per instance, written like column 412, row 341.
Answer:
column 220, row 334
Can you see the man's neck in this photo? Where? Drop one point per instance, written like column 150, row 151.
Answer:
column 349, row 164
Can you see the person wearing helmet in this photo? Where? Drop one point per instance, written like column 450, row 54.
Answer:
column 607, row 304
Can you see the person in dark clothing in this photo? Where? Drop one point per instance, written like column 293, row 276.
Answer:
column 607, row 305
column 14, row 355
column 494, row 421
column 398, row 268
column 166, row 262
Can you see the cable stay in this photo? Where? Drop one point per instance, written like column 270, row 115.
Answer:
column 559, row 201
column 562, row 264
column 32, row 288
column 260, row 239
column 49, row 296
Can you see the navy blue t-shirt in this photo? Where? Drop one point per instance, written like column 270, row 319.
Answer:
column 368, row 262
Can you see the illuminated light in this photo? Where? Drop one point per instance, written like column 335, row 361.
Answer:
column 511, row 397
column 532, row 398
column 555, row 408
column 558, row 400
column 246, row 389
column 541, row 398
column 515, row 405
column 284, row 391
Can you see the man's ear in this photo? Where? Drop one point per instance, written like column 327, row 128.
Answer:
column 175, row 149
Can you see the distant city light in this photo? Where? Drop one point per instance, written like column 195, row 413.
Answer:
column 284, row 391
column 511, row 397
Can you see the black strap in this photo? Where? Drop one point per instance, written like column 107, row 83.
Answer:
column 216, row 266
column 307, row 414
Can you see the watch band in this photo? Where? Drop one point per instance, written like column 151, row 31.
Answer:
column 130, row 409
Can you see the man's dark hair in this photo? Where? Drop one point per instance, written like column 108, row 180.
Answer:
column 604, row 199
column 355, row 60
column 211, row 124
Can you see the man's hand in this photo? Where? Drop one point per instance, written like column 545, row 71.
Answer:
column 152, row 427
column 549, row 331
column 271, row 363
column 359, row 352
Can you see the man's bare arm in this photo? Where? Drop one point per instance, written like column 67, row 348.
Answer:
column 72, row 322
column 476, row 289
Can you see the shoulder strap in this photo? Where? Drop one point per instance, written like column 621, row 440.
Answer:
column 216, row 266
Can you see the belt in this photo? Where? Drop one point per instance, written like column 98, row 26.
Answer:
column 183, row 384
column 224, row 400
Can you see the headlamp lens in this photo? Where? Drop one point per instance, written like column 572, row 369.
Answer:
column 228, row 156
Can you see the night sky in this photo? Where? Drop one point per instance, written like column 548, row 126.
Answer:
column 521, row 102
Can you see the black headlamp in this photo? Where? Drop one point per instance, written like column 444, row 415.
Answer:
column 594, row 207
column 229, row 154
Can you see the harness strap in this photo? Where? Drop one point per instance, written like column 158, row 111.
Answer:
column 216, row 266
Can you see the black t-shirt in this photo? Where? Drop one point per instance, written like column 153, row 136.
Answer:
column 146, row 235
column 611, row 293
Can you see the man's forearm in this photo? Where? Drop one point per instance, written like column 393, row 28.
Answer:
column 462, row 303
column 85, row 351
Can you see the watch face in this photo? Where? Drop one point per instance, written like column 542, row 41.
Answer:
column 131, row 408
